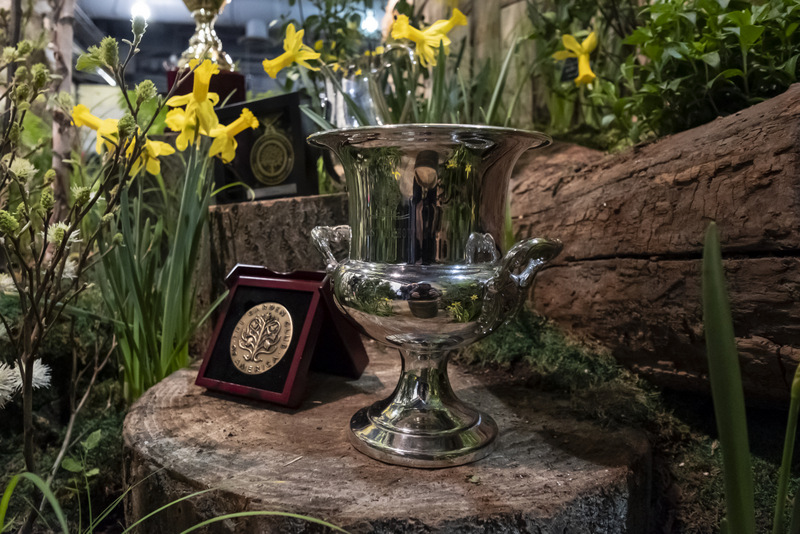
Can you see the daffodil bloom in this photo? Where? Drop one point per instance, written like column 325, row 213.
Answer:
column 149, row 156
column 106, row 129
column 178, row 121
column 294, row 52
column 377, row 52
column 199, row 111
column 580, row 51
column 428, row 40
column 224, row 144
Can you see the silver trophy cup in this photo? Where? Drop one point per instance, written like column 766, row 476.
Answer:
column 425, row 275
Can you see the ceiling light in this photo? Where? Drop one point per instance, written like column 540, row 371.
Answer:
column 370, row 23
column 140, row 9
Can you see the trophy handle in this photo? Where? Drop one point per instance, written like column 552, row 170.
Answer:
column 529, row 255
column 481, row 244
column 323, row 236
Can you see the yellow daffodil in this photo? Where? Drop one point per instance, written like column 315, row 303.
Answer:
column 428, row 40
column 377, row 52
column 224, row 144
column 106, row 129
column 294, row 52
column 149, row 156
column 199, row 112
column 178, row 121
column 580, row 51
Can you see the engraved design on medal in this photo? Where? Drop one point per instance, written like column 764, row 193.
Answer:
column 261, row 338
column 272, row 155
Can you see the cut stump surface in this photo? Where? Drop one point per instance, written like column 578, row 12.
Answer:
column 550, row 472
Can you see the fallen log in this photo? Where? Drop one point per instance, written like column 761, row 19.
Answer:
column 633, row 225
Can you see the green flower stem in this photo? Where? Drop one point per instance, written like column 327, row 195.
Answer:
column 726, row 390
column 786, row 462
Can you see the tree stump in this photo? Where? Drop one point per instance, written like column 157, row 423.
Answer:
column 633, row 226
column 550, row 472
column 272, row 233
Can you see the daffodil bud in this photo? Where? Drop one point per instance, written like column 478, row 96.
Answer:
column 138, row 25
column 65, row 100
column 24, row 47
column 13, row 133
column 145, row 91
column 126, row 126
column 8, row 223
column 81, row 195
column 56, row 233
column 47, row 201
column 22, row 93
column 9, row 54
column 109, row 50
column 40, row 75
column 21, row 74
column 21, row 213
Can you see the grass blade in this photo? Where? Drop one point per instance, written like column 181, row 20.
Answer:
column 726, row 389
column 257, row 513
column 785, row 472
column 46, row 491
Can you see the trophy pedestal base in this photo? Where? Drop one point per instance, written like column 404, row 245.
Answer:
column 423, row 438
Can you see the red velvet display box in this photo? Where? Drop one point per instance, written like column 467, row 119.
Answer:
column 307, row 297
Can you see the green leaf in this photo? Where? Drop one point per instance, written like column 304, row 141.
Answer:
column 726, row 390
column 790, row 29
column 748, row 36
column 740, row 18
column 639, row 36
column 725, row 74
column 92, row 441
column 691, row 16
column 71, row 465
column 711, row 58
column 790, row 67
column 92, row 472
column 90, row 61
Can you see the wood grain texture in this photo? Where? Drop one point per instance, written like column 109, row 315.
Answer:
column 272, row 233
column 633, row 224
column 550, row 472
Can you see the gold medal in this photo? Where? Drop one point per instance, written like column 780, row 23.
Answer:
column 261, row 338
column 272, row 155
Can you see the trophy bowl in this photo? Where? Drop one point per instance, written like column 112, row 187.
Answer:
column 425, row 275
column 205, row 44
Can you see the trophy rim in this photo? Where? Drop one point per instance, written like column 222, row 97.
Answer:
column 406, row 132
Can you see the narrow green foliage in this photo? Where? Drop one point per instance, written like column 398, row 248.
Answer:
column 726, row 389
column 148, row 280
column 46, row 491
column 259, row 513
column 778, row 522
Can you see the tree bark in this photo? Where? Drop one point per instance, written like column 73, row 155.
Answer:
column 633, row 224
column 63, row 132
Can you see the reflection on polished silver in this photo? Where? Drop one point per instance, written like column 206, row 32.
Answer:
column 425, row 274
column 204, row 43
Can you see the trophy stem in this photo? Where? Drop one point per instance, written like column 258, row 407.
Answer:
column 423, row 423
column 205, row 44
